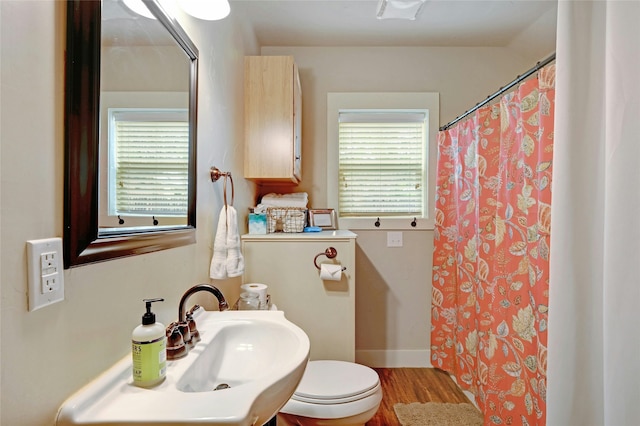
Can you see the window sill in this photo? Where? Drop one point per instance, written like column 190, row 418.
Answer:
column 386, row 223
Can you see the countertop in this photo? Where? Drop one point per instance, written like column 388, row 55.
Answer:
column 323, row 235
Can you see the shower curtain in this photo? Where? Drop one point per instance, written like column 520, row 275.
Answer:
column 491, row 252
column 594, row 325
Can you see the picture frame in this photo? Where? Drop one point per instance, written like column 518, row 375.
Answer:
column 323, row 218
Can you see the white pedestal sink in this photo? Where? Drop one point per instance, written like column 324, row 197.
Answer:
column 259, row 355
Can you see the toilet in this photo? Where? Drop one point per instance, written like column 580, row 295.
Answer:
column 333, row 393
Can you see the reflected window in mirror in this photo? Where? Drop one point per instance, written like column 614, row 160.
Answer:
column 147, row 167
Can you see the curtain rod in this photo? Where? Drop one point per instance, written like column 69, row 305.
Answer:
column 502, row 90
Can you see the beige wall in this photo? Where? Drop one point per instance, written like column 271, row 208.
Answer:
column 50, row 353
column 393, row 284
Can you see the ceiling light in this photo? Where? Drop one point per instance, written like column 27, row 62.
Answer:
column 139, row 7
column 209, row 10
column 399, row 9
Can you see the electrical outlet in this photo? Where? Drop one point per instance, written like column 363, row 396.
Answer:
column 394, row 239
column 49, row 283
column 45, row 272
column 49, row 263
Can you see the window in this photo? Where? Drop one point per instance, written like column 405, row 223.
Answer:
column 148, row 162
column 381, row 152
column 381, row 159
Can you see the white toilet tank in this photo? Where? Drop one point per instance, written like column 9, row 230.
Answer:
column 325, row 310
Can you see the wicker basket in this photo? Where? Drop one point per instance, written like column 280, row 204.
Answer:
column 286, row 219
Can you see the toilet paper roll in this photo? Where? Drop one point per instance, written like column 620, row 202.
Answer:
column 259, row 289
column 330, row 272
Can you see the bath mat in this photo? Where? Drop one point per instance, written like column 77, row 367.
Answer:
column 438, row 414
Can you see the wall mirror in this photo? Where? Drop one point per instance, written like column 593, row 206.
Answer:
column 130, row 131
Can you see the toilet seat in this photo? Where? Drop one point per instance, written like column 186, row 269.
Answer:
column 332, row 393
column 336, row 382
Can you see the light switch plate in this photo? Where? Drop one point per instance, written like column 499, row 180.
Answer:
column 394, row 239
column 45, row 272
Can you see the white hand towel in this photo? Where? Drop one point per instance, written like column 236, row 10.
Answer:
column 297, row 199
column 235, row 260
column 218, row 269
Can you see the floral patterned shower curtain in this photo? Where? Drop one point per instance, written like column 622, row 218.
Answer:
column 491, row 252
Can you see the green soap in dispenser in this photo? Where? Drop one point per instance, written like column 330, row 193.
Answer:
column 148, row 349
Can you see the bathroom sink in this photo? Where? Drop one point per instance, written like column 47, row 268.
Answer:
column 245, row 368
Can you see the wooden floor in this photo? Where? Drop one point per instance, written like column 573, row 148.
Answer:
column 413, row 385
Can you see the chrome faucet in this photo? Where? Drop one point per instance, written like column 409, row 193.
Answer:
column 222, row 303
column 183, row 334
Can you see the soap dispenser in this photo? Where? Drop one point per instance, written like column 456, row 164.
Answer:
column 148, row 349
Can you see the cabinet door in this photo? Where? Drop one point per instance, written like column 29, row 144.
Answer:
column 270, row 125
column 297, row 124
column 325, row 310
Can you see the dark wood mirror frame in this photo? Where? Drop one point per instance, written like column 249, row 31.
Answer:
column 82, row 242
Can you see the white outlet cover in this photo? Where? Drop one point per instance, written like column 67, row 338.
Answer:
column 41, row 294
column 394, row 239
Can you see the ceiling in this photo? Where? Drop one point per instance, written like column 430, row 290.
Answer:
column 122, row 27
column 445, row 23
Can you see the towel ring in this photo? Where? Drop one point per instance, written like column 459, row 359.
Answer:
column 217, row 174
column 224, row 190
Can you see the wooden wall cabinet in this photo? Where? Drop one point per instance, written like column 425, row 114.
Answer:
column 273, row 120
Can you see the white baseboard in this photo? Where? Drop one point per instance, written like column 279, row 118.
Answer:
column 394, row 358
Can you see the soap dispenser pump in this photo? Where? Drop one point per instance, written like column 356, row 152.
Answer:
column 148, row 349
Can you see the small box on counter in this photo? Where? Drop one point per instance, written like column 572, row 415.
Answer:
column 257, row 223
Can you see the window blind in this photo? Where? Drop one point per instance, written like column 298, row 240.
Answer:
column 381, row 163
column 150, row 165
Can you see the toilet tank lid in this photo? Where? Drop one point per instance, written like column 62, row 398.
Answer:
column 328, row 379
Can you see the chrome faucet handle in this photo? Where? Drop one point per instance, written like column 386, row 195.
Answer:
column 223, row 306
column 193, row 330
column 186, row 335
column 175, row 342
column 193, row 309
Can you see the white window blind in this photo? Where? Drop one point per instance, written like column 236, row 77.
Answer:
column 382, row 163
column 149, row 153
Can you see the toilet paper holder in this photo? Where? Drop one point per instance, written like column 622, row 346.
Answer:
column 330, row 252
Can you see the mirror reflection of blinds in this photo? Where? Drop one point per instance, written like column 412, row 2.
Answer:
column 381, row 163
column 151, row 166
